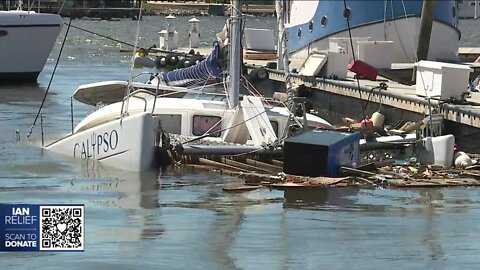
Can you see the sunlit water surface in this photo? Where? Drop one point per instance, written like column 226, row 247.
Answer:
column 182, row 219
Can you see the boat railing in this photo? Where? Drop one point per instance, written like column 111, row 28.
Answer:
column 143, row 73
column 135, row 93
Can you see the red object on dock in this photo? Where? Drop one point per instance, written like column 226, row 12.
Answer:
column 363, row 69
column 366, row 123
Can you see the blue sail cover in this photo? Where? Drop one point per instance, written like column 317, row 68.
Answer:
column 205, row 70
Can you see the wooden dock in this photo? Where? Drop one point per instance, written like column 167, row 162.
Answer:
column 399, row 101
column 202, row 8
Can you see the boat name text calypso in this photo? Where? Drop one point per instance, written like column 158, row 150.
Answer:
column 105, row 142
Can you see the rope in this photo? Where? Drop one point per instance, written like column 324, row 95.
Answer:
column 353, row 54
column 51, row 79
column 61, row 8
column 100, row 35
column 430, row 109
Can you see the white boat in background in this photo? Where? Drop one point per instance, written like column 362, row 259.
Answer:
column 126, row 134
column 26, row 39
column 317, row 25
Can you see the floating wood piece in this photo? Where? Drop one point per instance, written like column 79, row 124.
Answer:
column 382, row 171
column 471, row 174
column 287, row 185
column 199, row 167
column 418, row 183
column 361, row 179
column 277, row 163
column 242, row 188
column 367, row 167
column 473, row 167
column 264, row 165
column 206, row 161
column 356, row 172
column 247, row 167
column 326, row 181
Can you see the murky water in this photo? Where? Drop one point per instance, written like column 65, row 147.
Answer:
column 183, row 220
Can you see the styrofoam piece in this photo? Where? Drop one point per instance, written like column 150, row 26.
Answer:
column 437, row 150
column 444, row 80
column 337, row 64
column 313, row 65
column 342, row 45
column 379, row 54
column 259, row 39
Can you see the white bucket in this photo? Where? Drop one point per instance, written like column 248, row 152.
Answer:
column 438, row 150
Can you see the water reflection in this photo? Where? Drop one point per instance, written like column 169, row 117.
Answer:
column 434, row 203
column 226, row 226
column 304, row 197
column 138, row 196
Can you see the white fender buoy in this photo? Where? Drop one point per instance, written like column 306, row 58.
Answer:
column 378, row 119
column 462, row 160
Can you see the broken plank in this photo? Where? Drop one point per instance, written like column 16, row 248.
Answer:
column 245, row 166
column 264, row 165
column 356, row 171
column 209, row 162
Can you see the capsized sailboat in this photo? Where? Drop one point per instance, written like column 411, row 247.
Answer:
column 126, row 134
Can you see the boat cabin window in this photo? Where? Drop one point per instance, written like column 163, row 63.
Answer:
column 347, row 13
column 3, row 33
column 310, row 26
column 170, row 123
column 324, row 21
column 203, row 124
column 275, row 127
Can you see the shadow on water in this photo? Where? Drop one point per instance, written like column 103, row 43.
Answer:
column 21, row 93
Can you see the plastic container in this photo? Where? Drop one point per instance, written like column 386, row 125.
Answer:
column 438, row 150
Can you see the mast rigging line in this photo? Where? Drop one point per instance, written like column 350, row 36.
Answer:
column 51, row 79
column 125, row 103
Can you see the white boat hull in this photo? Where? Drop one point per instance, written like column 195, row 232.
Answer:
column 444, row 41
column 26, row 40
column 128, row 144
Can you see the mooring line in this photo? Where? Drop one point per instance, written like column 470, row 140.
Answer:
column 51, row 79
column 100, row 35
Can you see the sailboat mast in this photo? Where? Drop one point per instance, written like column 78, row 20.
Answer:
column 282, row 53
column 428, row 11
column 235, row 51
column 279, row 9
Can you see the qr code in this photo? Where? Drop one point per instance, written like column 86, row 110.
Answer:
column 62, row 228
